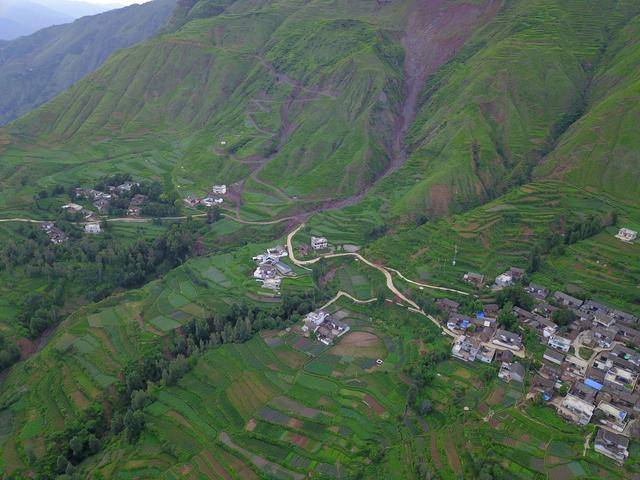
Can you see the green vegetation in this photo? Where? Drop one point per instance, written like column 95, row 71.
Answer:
column 171, row 361
column 37, row 67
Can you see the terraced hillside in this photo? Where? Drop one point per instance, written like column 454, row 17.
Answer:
column 506, row 232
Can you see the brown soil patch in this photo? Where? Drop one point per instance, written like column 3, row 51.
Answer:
column 420, row 252
column 299, row 440
column 181, row 420
column 496, row 396
column 26, row 347
column 452, row 454
column 217, row 468
column 251, row 425
column 80, row 399
column 359, row 344
column 374, row 404
column 294, row 423
column 435, row 453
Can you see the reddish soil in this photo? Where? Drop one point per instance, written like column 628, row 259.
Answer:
column 294, row 423
column 27, row 347
column 374, row 404
column 299, row 440
column 435, row 453
column 251, row 425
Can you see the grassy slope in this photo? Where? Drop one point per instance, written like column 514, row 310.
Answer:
column 490, row 114
column 312, row 411
column 601, row 151
column 87, row 353
column 236, row 77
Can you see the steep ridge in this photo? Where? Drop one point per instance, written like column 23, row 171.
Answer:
column 338, row 71
column 36, row 68
column 601, row 150
column 490, row 115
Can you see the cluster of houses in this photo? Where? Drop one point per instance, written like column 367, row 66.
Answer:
column 600, row 389
column 56, row 235
column 627, row 235
column 271, row 269
column 324, row 326
column 102, row 200
column 214, row 197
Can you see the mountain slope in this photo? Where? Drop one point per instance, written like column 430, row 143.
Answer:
column 491, row 114
column 601, row 151
column 18, row 18
column 316, row 103
column 36, row 68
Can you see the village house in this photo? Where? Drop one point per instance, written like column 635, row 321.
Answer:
column 485, row 354
column 613, row 417
column 623, row 317
column 544, row 386
column 621, row 376
column 265, row 271
column 210, row 201
column 219, row 190
column 544, row 309
column 592, row 307
column 102, row 204
column 627, row 335
column 537, row 291
column 326, row 328
column 490, row 310
column 553, row 356
column 504, row 338
column 92, row 228
column 319, row 243
column 620, row 397
column 559, row 343
column 56, row 235
column 126, row 187
column 283, row 268
column 278, row 251
column 567, row 300
column 509, row 277
column 72, row 207
column 459, row 323
column 191, row 201
column 573, row 368
column 466, row 348
column 627, row 235
column 475, row 279
column 603, row 337
column 627, row 354
column 602, row 319
column 483, row 327
column 511, row 372
column 576, row 409
column 447, row 305
column 612, row 445
column 504, row 280
column 272, row 283
column 504, row 356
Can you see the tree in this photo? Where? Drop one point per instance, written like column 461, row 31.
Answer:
column 213, row 215
column 133, row 424
column 563, row 317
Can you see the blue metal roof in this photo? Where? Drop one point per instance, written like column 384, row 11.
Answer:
column 593, row 384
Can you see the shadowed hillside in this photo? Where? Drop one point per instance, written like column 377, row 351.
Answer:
column 36, row 68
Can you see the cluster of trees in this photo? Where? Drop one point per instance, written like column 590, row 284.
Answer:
column 235, row 326
column 507, row 299
column 555, row 241
column 96, row 265
column 422, row 374
column 9, row 353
